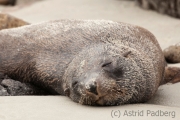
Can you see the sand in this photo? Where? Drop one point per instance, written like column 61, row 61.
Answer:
column 165, row 104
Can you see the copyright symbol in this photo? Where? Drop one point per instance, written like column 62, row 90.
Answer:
column 115, row 113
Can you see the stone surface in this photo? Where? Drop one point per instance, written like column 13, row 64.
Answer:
column 10, row 87
column 170, row 7
column 15, row 88
column 3, row 91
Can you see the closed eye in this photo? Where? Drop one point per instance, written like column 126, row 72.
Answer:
column 106, row 64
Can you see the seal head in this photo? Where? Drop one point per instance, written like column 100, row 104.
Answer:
column 104, row 75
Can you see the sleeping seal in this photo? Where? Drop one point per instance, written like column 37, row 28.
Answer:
column 94, row 62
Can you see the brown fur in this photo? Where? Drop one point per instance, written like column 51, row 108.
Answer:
column 8, row 21
column 172, row 74
column 7, row 2
column 172, row 53
column 123, row 62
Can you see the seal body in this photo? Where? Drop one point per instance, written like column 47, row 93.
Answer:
column 94, row 62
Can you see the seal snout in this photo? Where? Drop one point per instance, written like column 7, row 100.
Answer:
column 91, row 87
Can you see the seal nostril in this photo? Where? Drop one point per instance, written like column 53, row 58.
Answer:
column 92, row 88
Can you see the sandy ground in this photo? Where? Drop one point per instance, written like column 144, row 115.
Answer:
column 165, row 28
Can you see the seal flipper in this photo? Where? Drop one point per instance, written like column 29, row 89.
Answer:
column 172, row 75
column 172, row 53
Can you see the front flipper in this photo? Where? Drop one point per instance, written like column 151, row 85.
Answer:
column 172, row 54
column 172, row 75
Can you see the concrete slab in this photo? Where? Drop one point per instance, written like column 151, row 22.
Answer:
column 62, row 108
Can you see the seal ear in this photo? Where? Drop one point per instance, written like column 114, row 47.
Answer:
column 125, row 54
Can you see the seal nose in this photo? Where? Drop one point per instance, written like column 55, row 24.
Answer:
column 92, row 87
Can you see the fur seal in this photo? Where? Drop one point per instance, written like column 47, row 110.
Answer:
column 94, row 62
